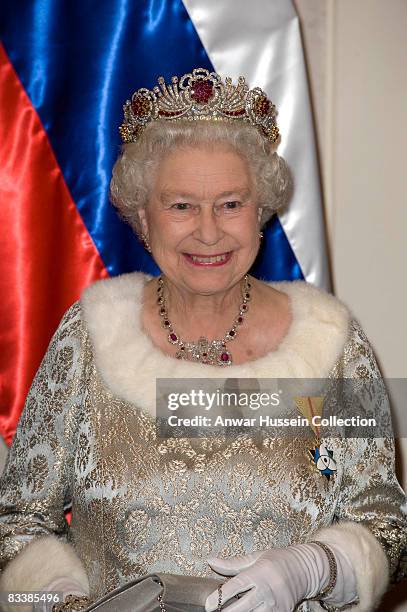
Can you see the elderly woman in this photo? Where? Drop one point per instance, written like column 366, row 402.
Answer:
column 197, row 178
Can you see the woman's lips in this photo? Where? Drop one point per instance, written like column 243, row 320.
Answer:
column 217, row 259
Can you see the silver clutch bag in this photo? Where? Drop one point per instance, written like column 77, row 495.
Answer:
column 159, row 592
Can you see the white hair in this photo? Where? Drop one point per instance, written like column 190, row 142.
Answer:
column 134, row 170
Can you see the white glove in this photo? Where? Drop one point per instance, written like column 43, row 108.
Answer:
column 277, row 580
column 64, row 585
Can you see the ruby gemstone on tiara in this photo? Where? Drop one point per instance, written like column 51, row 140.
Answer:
column 261, row 106
column 141, row 106
column 202, row 91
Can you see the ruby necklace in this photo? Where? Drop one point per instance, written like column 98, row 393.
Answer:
column 212, row 352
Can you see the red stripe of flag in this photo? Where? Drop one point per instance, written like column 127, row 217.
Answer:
column 46, row 254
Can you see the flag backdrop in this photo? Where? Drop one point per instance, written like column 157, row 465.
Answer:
column 65, row 70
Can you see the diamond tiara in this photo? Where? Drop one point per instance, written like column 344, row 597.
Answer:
column 199, row 95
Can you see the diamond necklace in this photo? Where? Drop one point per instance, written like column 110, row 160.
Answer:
column 212, row 352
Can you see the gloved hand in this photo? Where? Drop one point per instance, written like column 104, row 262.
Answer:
column 64, row 585
column 277, row 580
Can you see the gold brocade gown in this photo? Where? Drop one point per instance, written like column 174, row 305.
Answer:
column 87, row 439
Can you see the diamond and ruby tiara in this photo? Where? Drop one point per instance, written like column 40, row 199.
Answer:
column 200, row 95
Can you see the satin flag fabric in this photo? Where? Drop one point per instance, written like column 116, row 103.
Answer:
column 65, row 70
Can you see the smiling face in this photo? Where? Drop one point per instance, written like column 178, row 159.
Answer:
column 202, row 219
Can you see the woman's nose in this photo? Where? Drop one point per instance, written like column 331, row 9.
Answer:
column 208, row 228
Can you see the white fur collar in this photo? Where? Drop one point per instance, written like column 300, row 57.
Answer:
column 129, row 362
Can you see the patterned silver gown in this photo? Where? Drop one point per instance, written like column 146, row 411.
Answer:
column 87, row 439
